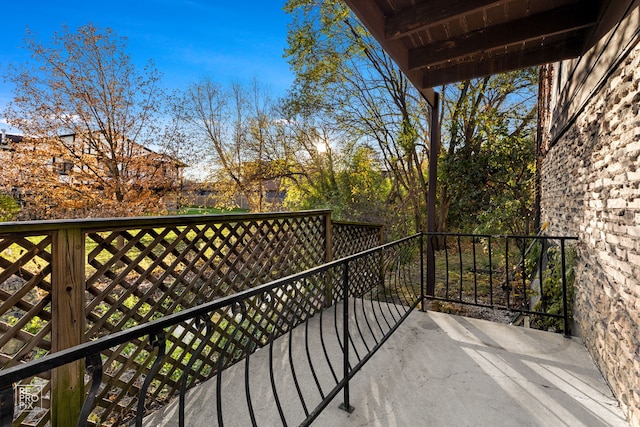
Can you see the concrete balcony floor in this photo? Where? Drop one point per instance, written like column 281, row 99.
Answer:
column 435, row 370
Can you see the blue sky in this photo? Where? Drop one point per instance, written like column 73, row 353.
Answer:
column 187, row 40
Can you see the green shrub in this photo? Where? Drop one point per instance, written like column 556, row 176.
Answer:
column 9, row 208
column 551, row 301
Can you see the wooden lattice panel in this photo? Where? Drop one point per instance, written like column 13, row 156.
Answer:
column 391, row 274
column 25, row 302
column 366, row 273
column 133, row 271
column 225, row 337
column 137, row 275
column 140, row 274
column 350, row 238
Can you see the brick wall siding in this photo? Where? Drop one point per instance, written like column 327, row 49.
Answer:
column 591, row 188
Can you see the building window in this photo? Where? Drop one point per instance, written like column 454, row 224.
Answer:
column 63, row 167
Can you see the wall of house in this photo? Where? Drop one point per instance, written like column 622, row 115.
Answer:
column 590, row 187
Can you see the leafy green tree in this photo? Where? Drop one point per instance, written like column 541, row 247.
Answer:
column 315, row 186
column 352, row 185
column 488, row 160
column 347, row 83
column 236, row 129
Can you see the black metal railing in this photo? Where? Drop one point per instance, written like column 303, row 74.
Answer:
column 526, row 275
column 301, row 339
column 280, row 352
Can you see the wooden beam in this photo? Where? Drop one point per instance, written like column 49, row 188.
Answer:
column 553, row 52
column 434, row 152
column 432, row 12
column 372, row 18
column 546, row 24
column 67, row 323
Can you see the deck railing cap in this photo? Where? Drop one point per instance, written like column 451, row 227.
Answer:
column 141, row 221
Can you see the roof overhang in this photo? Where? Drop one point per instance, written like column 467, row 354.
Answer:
column 436, row 42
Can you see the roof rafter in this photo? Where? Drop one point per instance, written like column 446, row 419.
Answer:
column 551, row 52
column 557, row 21
column 431, row 13
column 436, row 42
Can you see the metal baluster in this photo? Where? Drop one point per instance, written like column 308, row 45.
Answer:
column 93, row 366
column 475, row 271
column 399, row 282
column 262, row 299
column 237, row 307
column 373, row 310
column 446, row 270
column 346, row 288
column 386, row 275
column 314, row 374
column 408, row 292
column 366, row 318
column 355, row 316
column 565, row 306
column 341, row 343
column 295, row 299
column 393, row 287
column 272, row 379
column 415, row 297
column 158, row 340
column 209, row 330
column 460, row 267
column 422, row 307
column 507, row 285
column 324, row 349
column 543, row 251
column 490, row 273
column 362, row 305
column 345, row 331
column 313, row 370
column 523, row 270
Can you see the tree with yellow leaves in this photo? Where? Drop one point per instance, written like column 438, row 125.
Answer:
column 87, row 115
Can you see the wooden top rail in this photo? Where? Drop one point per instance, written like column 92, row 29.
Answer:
column 358, row 224
column 145, row 221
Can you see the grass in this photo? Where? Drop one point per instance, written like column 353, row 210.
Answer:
column 466, row 275
column 456, row 266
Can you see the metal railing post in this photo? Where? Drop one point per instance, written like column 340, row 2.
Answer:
column 434, row 150
column 565, row 308
column 345, row 405
column 422, row 299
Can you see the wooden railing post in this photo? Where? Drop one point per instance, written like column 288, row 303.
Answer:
column 328, row 238
column 67, row 324
column 328, row 257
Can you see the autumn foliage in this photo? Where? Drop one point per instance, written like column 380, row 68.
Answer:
column 87, row 115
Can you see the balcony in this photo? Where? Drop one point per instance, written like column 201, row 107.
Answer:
column 435, row 370
column 276, row 319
